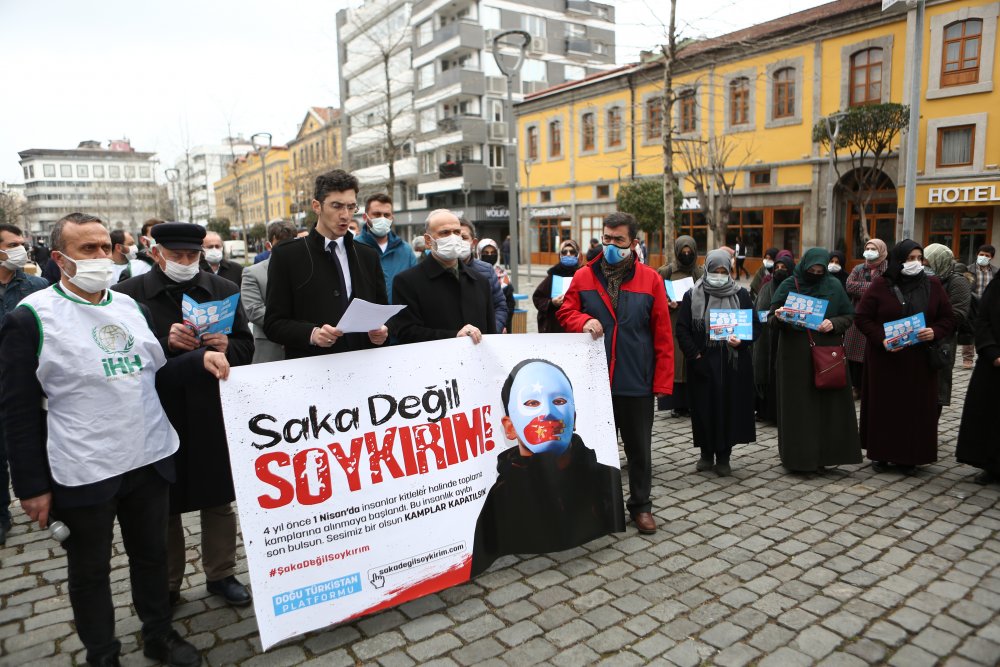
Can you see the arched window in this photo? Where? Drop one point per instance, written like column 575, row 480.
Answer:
column 963, row 45
column 532, row 142
column 784, row 93
column 866, row 77
column 739, row 101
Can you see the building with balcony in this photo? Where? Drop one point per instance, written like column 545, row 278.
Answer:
column 116, row 183
column 762, row 90
column 256, row 188
column 193, row 192
column 451, row 126
column 315, row 150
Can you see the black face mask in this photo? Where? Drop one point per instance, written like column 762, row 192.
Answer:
column 779, row 275
column 686, row 258
column 489, row 259
column 813, row 278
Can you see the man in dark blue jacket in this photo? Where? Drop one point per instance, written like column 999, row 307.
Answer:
column 15, row 284
column 486, row 271
column 394, row 255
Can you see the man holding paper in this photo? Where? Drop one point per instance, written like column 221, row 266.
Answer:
column 204, row 480
column 312, row 280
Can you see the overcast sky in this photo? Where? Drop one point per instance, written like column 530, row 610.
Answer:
column 174, row 74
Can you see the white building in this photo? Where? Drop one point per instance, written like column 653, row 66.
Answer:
column 191, row 187
column 116, row 183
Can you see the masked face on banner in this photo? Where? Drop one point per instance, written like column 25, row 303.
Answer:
column 541, row 409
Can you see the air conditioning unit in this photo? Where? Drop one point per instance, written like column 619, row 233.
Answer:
column 538, row 45
column 498, row 176
column 529, row 87
column 498, row 131
column 496, row 85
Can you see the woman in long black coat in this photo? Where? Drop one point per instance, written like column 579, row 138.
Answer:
column 765, row 348
column 899, row 390
column 546, row 304
column 978, row 445
column 720, row 373
column 685, row 265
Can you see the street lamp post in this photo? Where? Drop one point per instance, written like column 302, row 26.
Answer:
column 510, row 70
column 832, row 131
column 466, row 189
column 172, row 177
column 263, row 145
column 527, row 209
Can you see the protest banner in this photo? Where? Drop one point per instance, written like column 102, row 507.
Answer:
column 371, row 478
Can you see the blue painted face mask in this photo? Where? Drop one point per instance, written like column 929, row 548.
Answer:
column 542, row 408
column 613, row 254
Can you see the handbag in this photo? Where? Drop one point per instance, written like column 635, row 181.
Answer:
column 829, row 362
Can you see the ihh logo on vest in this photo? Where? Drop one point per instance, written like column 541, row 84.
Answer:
column 116, row 341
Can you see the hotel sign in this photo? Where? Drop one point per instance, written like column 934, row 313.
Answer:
column 972, row 194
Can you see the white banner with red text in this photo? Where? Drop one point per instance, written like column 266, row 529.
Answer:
column 371, row 478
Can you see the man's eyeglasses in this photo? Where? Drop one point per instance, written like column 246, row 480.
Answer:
column 338, row 206
column 569, row 252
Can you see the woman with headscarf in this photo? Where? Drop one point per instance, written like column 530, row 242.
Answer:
column 941, row 263
column 816, row 427
column 838, row 267
column 858, row 282
column 488, row 251
column 685, row 265
column 720, row 372
column 545, row 303
column 765, row 348
column 977, row 434
column 899, row 404
column 766, row 267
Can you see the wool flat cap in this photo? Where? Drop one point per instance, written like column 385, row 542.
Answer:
column 178, row 235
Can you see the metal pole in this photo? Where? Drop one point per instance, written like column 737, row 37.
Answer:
column 172, row 176
column 913, row 129
column 510, row 71
column 263, row 174
column 527, row 210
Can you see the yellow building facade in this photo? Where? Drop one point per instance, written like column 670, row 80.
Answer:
column 315, row 150
column 758, row 93
column 251, row 174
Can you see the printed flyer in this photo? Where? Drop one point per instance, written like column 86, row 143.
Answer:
column 805, row 311
column 903, row 333
column 676, row 289
column 211, row 316
column 726, row 322
column 560, row 285
column 361, row 490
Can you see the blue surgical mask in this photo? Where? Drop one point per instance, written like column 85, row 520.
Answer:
column 542, row 408
column 569, row 260
column 613, row 254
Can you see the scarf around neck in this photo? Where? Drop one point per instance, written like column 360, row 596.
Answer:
column 615, row 275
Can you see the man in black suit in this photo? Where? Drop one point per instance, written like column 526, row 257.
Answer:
column 216, row 262
column 68, row 463
column 204, row 476
column 444, row 297
column 311, row 280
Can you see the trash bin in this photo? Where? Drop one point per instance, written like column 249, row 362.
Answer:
column 519, row 323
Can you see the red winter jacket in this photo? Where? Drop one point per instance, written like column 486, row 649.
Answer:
column 637, row 337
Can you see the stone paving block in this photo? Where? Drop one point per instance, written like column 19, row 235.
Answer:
column 654, row 645
column 937, row 642
column 688, row 654
column 394, row 659
column 425, row 626
column 574, row 631
column 816, row 641
column 912, row 656
column 723, row 635
column 530, row 653
column 478, row 651
column 580, row 654
column 785, row 657
column 517, row 611
column 435, row 646
column 367, row 649
column 279, row 657
column 870, row 651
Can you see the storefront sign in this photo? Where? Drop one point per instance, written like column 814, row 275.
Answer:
column 963, row 194
column 497, row 212
column 361, row 490
column 550, row 212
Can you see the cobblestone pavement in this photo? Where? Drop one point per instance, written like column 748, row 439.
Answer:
column 763, row 568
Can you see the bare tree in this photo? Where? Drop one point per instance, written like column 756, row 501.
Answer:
column 387, row 85
column 669, row 51
column 712, row 168
column 13, row 208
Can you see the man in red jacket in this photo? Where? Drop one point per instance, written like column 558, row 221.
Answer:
column 625, row 301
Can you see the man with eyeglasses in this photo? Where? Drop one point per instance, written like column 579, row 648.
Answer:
column 311, row 280
column 622, row 299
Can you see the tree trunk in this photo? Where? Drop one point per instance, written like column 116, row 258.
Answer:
column 667, row 128
column 390, row 140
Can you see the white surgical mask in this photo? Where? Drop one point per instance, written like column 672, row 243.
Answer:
column 132, row 252
column 929, row 271
column 213, row 255
column 768, row 264
column 833, row 268
column 913, row 268
column 181, row 273
column 983, row 260
column 17, row 257
column 380, row 226
column 465, row 251
column 870, row 255
column 450, row 247
column 716, row 279
column 93, row 276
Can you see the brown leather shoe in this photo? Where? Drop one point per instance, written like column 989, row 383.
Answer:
column 645, row 522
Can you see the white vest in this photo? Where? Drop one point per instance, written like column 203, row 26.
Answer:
column 97, row 365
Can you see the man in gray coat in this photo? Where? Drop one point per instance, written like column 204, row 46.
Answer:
column 253, row 291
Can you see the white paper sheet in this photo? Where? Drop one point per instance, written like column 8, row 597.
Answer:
column 363, row 316
column 682, row 287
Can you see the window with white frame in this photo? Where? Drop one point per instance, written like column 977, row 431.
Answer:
column 533, row 70
column 534, row 25
column 489, row 17
column 425, row 76
column 574, row 72
column 428, row 120
column 497, row 155
column 66, row 170
column 425, row 32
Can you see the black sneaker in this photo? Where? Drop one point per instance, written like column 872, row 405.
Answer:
column 723, row 469
column 985, row 477
column 171, row 650
column 704, row 464
column 231, row 590
column 880, row 466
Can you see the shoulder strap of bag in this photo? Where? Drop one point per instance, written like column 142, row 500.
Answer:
column 812, row 343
